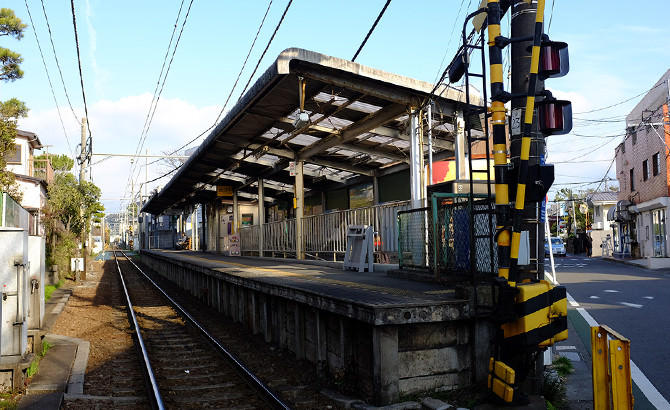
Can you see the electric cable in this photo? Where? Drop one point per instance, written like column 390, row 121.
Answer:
column 53, row 48
column 152, row 112
column 89, row 142
column 622, row 102
column 266, row 48
column 231, row 91
column 39, row 47
column 365, row 40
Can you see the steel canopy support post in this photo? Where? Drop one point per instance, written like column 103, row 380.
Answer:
column 236, row 212
column 261, row 217
column 459, row 146
column 415, row 162
column 429, row 121
column 299, row 209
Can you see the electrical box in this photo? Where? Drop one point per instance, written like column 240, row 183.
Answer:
column 14, row 284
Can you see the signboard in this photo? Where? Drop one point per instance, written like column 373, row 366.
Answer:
column 234, row 249
column 76, row 264
column 224, row 190
column 291, row 168
column 516, row 121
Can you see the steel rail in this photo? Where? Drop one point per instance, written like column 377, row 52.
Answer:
column 156, row 399
column 270, row 397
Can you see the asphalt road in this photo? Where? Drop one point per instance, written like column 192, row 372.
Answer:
column 631, row 300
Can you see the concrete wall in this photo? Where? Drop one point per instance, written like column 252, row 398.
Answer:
column 385, row 354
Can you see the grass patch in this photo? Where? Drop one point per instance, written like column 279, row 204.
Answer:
column 35, row 364
column 8, row 400
column 49, row 289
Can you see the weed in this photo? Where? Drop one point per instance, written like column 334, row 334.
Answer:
column 553, row 390
column 563, row 366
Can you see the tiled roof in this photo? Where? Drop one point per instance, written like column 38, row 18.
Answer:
column 607, row 196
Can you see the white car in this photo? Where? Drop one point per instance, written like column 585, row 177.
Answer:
column 557, row 247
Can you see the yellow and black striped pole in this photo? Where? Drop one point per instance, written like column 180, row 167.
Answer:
column 520, row 201
column 498, row 114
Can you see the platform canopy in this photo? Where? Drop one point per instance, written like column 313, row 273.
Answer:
column 357, row 128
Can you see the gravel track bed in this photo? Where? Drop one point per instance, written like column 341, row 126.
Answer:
column 96, row 312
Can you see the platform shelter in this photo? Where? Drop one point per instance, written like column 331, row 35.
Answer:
column 317, row 144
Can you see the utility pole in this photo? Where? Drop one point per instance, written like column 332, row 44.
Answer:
column 82, row 178
column 523, row 26
column 82, row 152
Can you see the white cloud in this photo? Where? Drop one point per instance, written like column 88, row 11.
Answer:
column 116, row 127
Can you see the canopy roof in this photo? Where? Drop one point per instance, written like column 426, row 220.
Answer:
column 357, row 129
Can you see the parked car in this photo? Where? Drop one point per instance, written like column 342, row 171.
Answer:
column 557, row 246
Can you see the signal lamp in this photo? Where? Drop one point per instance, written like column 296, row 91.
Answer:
column 554, row 116
column 554, row 61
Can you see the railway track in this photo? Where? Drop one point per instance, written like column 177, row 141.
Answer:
column 184, row 366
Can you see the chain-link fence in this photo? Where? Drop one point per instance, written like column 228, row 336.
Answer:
column 439, row 239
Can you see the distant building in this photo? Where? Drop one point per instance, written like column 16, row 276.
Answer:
column 602, row 232
column 32, row 176
column 643, row 172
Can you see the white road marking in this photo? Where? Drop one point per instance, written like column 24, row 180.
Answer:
column 610, row 291
column 635, row 305
column 565, row 347
column 654, row 397
column 594, row 297
column 648, row 389
column 649, row 297
column 571, row 300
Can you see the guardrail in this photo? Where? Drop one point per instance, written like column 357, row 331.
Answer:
column 610, row 355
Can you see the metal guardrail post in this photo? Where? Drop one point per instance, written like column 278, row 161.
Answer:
column 611, row 369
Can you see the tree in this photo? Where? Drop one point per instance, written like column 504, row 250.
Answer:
column 74, row 204
column 10, row 112
column 12, row 26
column 70, row 208
column 13, row 109
column 60, row 162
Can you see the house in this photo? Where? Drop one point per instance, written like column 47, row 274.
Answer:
column 602, row 232
column 643, row 172
column 32, row 176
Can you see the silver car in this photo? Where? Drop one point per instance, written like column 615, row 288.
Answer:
column 557, row 247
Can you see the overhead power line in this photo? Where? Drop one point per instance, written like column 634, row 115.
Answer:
column 365, row 40
column 53, row 48
column 158, row 91
column 622, row 102
column 46, row 70
column 81, row 79
column 238, row 77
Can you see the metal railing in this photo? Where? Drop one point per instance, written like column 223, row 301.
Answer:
column 41, row 168
column 325, row 235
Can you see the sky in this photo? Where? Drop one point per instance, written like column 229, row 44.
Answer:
column 617, row 53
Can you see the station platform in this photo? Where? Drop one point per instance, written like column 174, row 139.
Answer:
column 374, row 291
column 396, row 335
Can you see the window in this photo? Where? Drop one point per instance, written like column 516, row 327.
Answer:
column 655, row 164
column 632, row 180
column 634, row 138
column 645, row 170
column 596, row 211
column 13, row 155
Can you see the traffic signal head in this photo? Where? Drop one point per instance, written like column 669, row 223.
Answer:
column 554, row 116
column 554, row 61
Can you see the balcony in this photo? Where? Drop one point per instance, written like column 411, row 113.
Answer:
column 42, row 169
